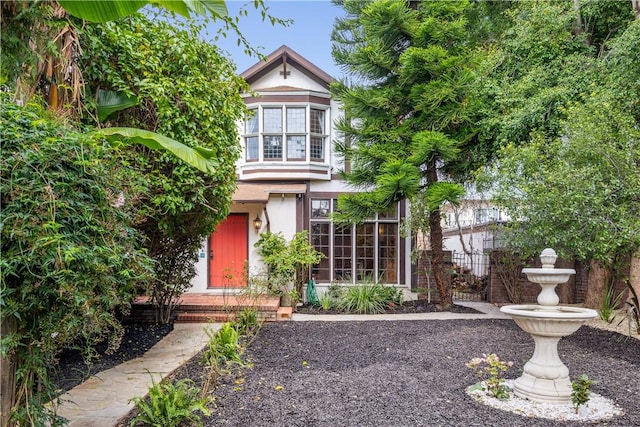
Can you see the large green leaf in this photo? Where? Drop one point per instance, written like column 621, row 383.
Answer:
column 110, row 101
column 109, row 10
column 200, row 158
column 102, row 11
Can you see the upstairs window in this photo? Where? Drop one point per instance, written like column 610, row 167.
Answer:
column 286, row 133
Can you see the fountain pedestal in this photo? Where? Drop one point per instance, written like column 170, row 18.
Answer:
column 545, row 378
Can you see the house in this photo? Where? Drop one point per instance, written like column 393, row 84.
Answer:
column 470, row 231
column 288, row 182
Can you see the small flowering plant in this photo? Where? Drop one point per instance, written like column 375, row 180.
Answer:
column 489, row 367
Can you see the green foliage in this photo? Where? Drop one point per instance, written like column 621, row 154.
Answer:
column 284, row 259
column 582, row 185
column 110, row 10
column 171, row 405
column 188, row 92
column 326, row 302
column 609, row 304
column 633, row 308
column 369, row 298
column 247, row 322
column 409, row 120
column 581, row 391
column 489, row 368
column 223, row 346
column 69, row 257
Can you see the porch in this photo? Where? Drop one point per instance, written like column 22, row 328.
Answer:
column 202, row 307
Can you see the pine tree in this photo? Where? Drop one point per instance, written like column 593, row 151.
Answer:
column 407, row 114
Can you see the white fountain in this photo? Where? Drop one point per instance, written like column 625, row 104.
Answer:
column 545, row 377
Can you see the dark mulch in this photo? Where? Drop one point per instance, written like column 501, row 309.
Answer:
column 414, row 306
column 402, row 373
column 137, row 339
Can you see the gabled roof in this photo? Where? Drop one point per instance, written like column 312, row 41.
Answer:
column 282, row 56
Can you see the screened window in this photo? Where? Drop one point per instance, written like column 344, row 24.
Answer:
column 317, row 148
column 317, row 121
column 321, row 242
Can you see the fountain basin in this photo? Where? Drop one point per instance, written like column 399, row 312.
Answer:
column 558, row 321
column 548, row 278
column 551, row 276
column 545, row 378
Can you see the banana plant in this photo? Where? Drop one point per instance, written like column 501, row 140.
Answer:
column 109, row 102
column 109, row 10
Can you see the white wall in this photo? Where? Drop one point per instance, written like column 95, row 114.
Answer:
column 281, row 216
column 295, row 79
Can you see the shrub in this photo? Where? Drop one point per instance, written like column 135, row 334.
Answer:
column 170, row 405
column 581, row 391
column 609, row 303
column 362, row 299
column 247, row 322
column 223, row 346
column 326, row 302
column 69, row 258
column 489, row 367
column 368, row 298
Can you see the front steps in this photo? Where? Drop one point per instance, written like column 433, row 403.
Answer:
column 202, row 308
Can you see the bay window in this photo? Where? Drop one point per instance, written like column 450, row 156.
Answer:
column 292, row 133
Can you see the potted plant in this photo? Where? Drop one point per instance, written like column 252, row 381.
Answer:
column 285, row 260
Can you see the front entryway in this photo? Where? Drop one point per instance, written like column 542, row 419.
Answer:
column 228, row 249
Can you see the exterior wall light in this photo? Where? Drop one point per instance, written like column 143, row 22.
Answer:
column 257, row 224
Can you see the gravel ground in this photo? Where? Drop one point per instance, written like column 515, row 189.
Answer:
column 404, row 373
column 385, row 373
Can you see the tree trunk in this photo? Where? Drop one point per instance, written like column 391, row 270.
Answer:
column 634, row 273
column 596, row 282
column 435, row 235
column 7, row 374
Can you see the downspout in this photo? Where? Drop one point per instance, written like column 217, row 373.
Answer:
column 266, row 217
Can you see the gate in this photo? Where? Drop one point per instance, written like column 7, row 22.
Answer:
column 469, row 275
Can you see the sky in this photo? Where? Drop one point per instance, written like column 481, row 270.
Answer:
column 309, row 35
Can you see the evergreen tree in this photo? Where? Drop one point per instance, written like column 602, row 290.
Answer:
column 407, row 117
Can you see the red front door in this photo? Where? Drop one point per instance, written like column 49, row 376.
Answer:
column 228, row 247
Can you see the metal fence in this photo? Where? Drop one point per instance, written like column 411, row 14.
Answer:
column 469, row 275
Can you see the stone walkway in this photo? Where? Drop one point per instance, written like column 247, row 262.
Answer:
column 103, row 399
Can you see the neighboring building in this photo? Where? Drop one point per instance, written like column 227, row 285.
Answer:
column 470, row 232
column 288, row 182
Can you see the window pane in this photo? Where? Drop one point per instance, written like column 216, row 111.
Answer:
column 296, row 120
column 391, row 213
column 273, row 147
column 272, row 120
column 317, row 148
column 387, row 252
column 320, row 208
column 342, row 269
column 296, row 147
column 320, row 241
column 317, row 121
column 251, row 124
column 365, row 252
column 252, row 148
